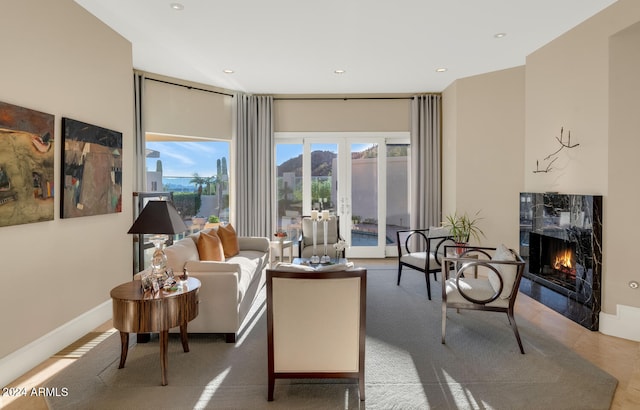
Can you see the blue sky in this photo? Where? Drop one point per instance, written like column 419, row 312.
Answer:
column 183, row 159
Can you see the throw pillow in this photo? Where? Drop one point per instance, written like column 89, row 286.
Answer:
column 507, row 272
column 210, row 247
column 229, row 240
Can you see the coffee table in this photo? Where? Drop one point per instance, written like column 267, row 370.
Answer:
column 135, row 311
column 305, row 261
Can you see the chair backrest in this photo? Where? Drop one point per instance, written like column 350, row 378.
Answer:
column 333, row 231
column 433, row 240
column 501, row 266
column 316, row 322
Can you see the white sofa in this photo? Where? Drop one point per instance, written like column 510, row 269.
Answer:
column 228, row 288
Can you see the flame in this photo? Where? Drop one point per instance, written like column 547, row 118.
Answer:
column 564, row 261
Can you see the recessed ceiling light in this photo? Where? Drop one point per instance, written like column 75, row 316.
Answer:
column 227, row 71
column 500, row 35
column 339, row 71
column 176, row 6
column 441, row 70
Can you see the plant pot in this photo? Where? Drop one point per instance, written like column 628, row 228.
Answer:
column 211, row 225
column 460, row 247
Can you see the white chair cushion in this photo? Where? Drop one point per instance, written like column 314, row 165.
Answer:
column 479, row 289
column 508, row 272
column 419, row 259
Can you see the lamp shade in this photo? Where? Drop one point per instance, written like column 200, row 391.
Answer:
column 158, row 217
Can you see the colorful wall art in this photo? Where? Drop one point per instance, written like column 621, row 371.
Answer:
column 91, row 170
column 26, row 165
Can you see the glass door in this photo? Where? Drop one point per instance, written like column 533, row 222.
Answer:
column 362, row 214
column 348, row 176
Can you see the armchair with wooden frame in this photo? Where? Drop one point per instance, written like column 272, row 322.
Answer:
column 422, row 250
column 482, row 278
column 316, row 324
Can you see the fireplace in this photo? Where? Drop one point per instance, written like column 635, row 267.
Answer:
column 560, row 239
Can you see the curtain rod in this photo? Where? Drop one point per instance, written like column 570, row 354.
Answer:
column 340, row 98
column 189, row 87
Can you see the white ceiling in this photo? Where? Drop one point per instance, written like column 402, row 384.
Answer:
column 294, row 46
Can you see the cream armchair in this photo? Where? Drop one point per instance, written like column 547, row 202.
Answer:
column 305, row 245
column 316, row 325
column 482, row 278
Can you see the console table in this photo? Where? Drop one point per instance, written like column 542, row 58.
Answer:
column 135, row 311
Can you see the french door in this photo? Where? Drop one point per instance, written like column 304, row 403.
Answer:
column 344, row 173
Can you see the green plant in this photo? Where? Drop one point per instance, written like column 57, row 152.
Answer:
column 214, row 219
column 463, row 227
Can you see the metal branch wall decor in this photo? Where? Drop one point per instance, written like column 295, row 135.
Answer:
column 551, row 158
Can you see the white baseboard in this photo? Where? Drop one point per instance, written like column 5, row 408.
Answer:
column 623, row 324
column 26, row 358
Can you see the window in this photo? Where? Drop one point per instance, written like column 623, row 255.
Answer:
column 197, row 172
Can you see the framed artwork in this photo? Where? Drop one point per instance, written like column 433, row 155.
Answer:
column 26, row 165
column 91, row 170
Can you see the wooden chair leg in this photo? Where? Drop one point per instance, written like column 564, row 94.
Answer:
column 399, row 273
column 272, row 382
column 512, row 321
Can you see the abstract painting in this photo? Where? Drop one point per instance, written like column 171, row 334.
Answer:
column 26, row 165
column 91, row 170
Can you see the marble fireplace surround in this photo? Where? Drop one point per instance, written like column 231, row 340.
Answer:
column 553, row 224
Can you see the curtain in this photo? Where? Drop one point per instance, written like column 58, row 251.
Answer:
column 426, row 189
column 254, row 165
column 139, row 144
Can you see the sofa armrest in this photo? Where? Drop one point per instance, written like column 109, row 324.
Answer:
column 254, row 243
column 212, row 266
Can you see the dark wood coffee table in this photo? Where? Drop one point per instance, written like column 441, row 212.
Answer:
column 135, row 311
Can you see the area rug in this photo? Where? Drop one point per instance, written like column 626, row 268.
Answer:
column 406, row 365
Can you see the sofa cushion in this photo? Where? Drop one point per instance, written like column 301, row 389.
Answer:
column 251, row 263
column 229, row 240
column 180, row 252
column 210, row 247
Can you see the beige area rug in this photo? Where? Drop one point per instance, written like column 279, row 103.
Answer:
column 407, row 367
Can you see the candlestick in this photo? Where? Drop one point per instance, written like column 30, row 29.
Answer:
column 315, row 258
column 325, row 258
column 325, row 215
column 314, row 215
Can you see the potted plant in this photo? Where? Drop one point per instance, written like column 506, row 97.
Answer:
column 212, row 222
column 463, row 228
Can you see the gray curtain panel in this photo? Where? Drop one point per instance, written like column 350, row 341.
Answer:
column 426, row 189
column 254, row 165
column 139, row 183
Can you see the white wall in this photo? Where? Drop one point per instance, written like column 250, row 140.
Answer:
column 60, row 60
column 483, row 146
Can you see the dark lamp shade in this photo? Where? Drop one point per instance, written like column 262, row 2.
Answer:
column 158, row 217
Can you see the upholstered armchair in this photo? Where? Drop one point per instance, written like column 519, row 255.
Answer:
column 316, row 324
column 305, row 244
column 422, row 250
column 482, row 278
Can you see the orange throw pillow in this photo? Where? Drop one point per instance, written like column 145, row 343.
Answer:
column 229, row 240
column 210, row 247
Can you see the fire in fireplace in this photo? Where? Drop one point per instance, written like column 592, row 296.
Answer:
column 553, row 259
column 564, row 262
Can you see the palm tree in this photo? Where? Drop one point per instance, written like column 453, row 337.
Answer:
column 198, row 181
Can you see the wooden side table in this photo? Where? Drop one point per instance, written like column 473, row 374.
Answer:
column 137, row 312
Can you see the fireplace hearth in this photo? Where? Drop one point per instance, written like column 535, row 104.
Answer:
column 560, row 239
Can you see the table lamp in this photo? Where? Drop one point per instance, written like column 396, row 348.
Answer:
column 161, row 219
